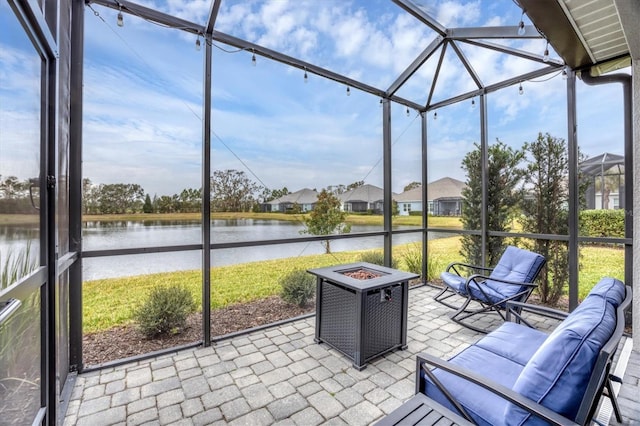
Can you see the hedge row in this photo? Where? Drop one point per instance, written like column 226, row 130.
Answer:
column 602, row 223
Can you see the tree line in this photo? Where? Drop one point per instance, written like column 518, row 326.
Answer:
column 231, row 191
column 19, row 196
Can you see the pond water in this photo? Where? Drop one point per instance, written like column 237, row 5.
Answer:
column 130, row 234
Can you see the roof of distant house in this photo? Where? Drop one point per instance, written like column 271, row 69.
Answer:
column 442, row 188
column 303, row 196
column 364, row 193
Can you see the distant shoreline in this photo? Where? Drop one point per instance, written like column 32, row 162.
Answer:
column 449, row 222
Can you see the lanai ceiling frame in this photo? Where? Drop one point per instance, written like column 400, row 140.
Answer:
column 444, row 36
column 473, row 36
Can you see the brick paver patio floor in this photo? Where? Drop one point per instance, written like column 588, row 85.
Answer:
column 280, row 376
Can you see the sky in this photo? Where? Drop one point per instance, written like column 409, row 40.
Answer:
column 143, row 95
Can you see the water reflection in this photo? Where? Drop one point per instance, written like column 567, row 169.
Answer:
column 18, row 233
column 98, row 235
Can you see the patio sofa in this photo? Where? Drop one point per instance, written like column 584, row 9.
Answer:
column 518, row 375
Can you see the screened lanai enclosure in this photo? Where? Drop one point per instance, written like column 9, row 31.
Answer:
column 142, row 142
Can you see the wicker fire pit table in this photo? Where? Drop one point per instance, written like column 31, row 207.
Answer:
column 361, row 309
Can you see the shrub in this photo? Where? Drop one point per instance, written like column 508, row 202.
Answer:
column 298, row 287
column 435, row 266
column 602, row 223
column 412, row 258
column 377, row 258
column 165, row 310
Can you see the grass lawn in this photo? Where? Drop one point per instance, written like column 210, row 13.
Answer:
column 111, row 302
column 597, row 262
column 19, row 219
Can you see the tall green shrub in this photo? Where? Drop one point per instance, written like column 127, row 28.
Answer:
column 17, row 264
column 412, row 258
column 545, row 210
column 504, row 177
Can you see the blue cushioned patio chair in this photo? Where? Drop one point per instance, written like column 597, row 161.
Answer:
column 512, row 279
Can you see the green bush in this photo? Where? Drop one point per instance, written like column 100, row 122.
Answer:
column 412, row 258
column 415, row 213
column 602, row 223
column 435, row 266
column 165, row 310
column 298, row 287
column 377, row 258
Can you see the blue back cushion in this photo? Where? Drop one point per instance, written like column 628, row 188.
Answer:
column 518, row 265
column 558, row 373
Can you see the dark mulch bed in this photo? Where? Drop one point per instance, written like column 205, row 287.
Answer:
column 127, row 341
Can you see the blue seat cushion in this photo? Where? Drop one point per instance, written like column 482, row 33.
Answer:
column 513, row 341
column 484, row 407
column 458, row 283
column 558, row 373
column 493, row 292
column 454, row 281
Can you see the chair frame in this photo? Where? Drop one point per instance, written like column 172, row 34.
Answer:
column 442, row 296
column 478, row 280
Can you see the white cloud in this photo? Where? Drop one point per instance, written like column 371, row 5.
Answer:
column 19, row 112
column 191, row 10
column 456, row 14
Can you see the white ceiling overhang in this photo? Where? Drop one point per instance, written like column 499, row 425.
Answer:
column 595, row 34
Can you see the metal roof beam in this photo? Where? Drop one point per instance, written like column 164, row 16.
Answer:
column 467, row 65
column 493, row 32
column 151, row 15
column 436, row 74
column 421, row 15
column 191, row 27
column 415, row 65
column 512, row 51
column 495, row 87
column 213, row 15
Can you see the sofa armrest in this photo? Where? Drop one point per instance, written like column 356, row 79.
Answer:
column 517, row 308
column 540, row 411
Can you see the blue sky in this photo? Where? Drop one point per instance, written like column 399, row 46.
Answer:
column 143, row 95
